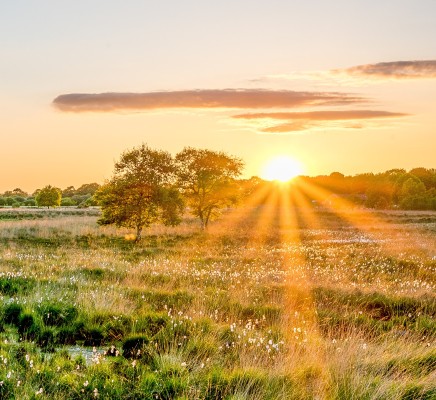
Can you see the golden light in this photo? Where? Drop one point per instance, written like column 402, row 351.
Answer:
column 282, row 169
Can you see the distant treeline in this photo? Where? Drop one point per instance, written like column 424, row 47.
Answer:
column 81, row 197
column 393, row 189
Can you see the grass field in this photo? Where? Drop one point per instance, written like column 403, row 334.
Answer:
column 270, row 303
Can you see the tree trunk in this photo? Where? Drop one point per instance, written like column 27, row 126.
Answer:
column 138, row 233
column 202, row 221
column 207, row 218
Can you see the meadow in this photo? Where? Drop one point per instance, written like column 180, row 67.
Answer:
column 268, row 303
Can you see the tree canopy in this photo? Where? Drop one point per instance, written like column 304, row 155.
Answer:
column 140, row 191
column 207, row 180
column 48, row 196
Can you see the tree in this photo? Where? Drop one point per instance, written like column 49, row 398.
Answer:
column 15, row 192
column 48, row 196
column 426, row 176
column 140, row 191
column 69, row 191
column 207, row 179
column 67, row 202
column 87, row 189
column 412, row 186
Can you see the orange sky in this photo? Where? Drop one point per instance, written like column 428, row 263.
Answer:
column 83, row 82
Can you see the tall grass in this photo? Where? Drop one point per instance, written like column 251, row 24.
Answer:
column 247, row 310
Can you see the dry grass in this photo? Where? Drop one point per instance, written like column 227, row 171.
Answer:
column 256, row 308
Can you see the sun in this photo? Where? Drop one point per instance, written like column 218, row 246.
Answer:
column 282, row 169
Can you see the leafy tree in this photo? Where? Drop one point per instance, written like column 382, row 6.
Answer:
column 207, row 179
column 79, row 199
column 48, row 196
column 15, row 192
column 67, row 201
column 19, row 199
column 87, row 189
column 139, row 192
column 377, row 199
column 69, row 191
column 30, row 202
column 412, row 186
column 9, row 201
column 426, row 176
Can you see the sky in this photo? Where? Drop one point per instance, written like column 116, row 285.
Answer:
column 339, row 85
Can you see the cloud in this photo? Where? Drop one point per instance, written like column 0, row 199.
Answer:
column 422, row 69
column 323, row 115
column 301, row 121
column 360, row 75
column 204, row 99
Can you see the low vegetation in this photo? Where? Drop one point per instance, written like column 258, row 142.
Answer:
column 261, row 306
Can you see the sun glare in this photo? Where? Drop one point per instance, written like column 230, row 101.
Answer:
column 281, row 169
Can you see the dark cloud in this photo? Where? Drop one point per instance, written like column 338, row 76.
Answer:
column 422, row 69
column 226, row 98
column 300, row 121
